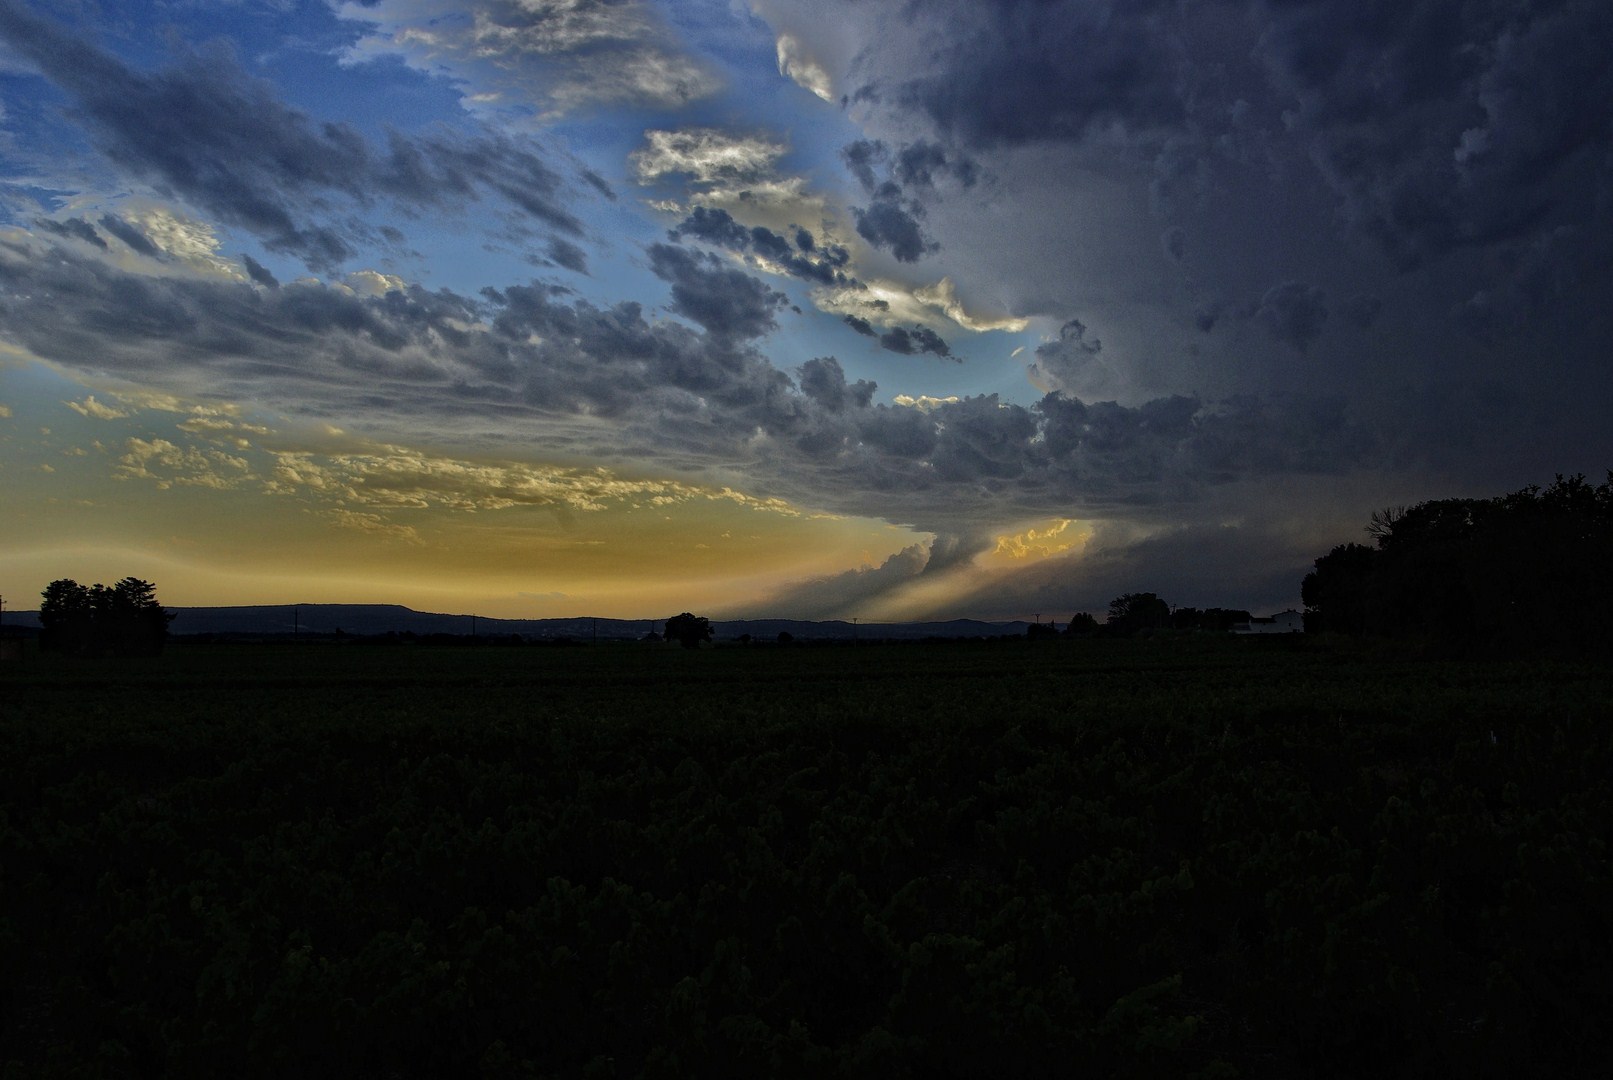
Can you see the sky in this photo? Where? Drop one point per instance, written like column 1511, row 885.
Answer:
column 774, row 308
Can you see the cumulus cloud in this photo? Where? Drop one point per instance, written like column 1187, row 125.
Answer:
column 797, row 64
column 726, row 302
column 543, row 57
column 1071, row 363
column 706, row 156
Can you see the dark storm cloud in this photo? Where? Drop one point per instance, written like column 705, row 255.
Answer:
column 824, row 381
column 210, row 133
column 862, row 326
column 886, row 224
column 892, row 220
column 806, row 259
column 922, row 163
column 1435, row 126
column 72, row 229
column 1453, row 123
column 1174, row 243
column 1018, row 72
column 1361, row 309
column 1294, row 313
column 259, row 273
column 726, row 302
column 920, row 339
column 574, row 377
column 862, row 157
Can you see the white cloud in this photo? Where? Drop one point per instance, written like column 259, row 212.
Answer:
column 707, row 156
column 89, row 407
column 795, row 63
column 542, row 57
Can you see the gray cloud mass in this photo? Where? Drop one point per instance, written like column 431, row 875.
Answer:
column 552, row 365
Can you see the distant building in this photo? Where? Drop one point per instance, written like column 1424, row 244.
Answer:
column 1284, row 622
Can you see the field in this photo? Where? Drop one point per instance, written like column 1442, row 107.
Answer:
column 1107, row 858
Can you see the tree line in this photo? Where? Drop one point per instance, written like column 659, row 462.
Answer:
column 124, row 619
column 1532, row 569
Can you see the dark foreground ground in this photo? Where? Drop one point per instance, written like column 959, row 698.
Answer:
column 1038, row 859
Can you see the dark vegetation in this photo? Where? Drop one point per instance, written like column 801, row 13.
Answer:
column 100, row 620
column 1169, row 856
column 688, row 630
column 1527, row 572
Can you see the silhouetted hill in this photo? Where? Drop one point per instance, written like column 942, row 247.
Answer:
column 272, row 620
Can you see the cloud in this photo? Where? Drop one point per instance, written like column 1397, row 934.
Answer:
column 843, row 596
column 892, row 220
column 542, row 57
column 572, row 378
column 89, row 407
column 564, row 253
column 1002, row 75
column 920, row 339
column 726, row 302
column 1447, row 125
column 824, row 382
column 1071, row 364
column 259, row 273
column 1294, row 313
column 797, row 64
column 1255, row 566
column 209, row 133
column 804, row 257
column 72, row 229
column 886, row 223
column 706, row 156
column 136, row 241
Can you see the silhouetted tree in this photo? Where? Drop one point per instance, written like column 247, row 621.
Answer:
column 1339, row 594
column 1133, row 612
column 123, row 619
column 1530, row 568
column 1081, row 624
column 688, row 630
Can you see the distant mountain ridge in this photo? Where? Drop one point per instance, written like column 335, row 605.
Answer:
column 270, row 620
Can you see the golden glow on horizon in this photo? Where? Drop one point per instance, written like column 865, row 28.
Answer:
column 219, row 508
